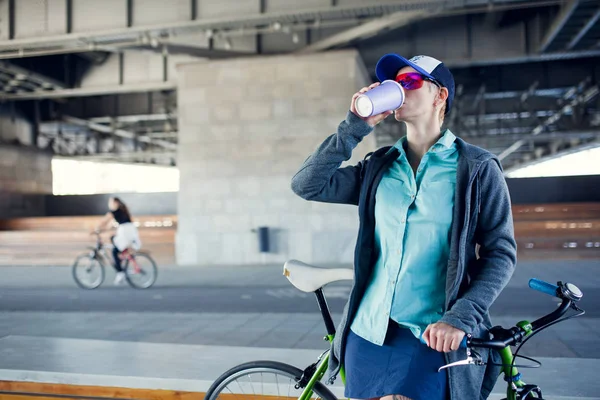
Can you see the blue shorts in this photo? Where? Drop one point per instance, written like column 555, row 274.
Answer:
column 402, row 366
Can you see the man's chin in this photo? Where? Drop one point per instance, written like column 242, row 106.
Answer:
column 399, row 115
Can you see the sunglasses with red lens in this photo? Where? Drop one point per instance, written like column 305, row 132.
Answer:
column 413, row 80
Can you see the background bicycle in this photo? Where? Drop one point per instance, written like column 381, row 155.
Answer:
column 287, row 381
column 89, row 268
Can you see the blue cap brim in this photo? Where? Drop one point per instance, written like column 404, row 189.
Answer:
column 388, row 66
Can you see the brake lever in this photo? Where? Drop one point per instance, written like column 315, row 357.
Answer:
column 473, row 358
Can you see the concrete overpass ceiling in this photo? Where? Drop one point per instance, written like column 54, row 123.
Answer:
column 97, row 79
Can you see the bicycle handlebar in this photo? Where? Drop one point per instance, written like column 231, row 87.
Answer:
column 543, row 287
column 463, row 344
column 508, row 337
column 503, row 338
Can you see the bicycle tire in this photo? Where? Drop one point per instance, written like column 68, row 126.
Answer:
column 287, row 370
column 129, row 274
column 76, row 278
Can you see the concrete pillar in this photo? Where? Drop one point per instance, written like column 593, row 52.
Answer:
column 245, row 127
column 25, row 176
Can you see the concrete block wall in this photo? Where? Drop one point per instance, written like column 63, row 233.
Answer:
column 25, row 174
column 245, row 127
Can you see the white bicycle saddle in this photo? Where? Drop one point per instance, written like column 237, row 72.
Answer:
column 309, row 278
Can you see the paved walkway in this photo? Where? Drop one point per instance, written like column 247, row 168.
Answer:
column 581, row 272
column 52, row 331
column 194, row 367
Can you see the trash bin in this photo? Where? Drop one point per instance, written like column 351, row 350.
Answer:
column 263, row 239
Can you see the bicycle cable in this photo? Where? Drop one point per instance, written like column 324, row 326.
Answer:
column 537, row 363
column 538, row 331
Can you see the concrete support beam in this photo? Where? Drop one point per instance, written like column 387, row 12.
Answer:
column 559, row 22
column 138, row 26
column 584, row 30
column 583, row 98
column 120, row 132
column 19, row 75
column 92, row 91
column 368, row 29
column 133, row 118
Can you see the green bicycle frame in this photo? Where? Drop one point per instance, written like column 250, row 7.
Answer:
column 319, row 373
column 506, row 355
column 507, row 361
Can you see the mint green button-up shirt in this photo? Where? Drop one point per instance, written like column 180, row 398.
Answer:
column 413, row 218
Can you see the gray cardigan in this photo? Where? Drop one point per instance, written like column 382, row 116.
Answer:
column 482, row 215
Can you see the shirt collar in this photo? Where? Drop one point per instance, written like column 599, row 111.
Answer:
column 447, row 139
column 444, row 142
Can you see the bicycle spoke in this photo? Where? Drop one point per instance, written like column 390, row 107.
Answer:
column 252, row 385
column 247, row 384
column 241, row 388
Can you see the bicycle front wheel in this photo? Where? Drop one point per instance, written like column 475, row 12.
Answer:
column 140, row 271
column 88, row 272
column 255, row 379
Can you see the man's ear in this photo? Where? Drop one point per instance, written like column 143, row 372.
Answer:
column 442, row 96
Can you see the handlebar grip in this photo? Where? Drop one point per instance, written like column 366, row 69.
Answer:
column 463, row 343
column 543, row 287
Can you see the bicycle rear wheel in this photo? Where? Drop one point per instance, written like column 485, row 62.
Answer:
column 140, row 271
column 88, row 272
column 255, row 379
